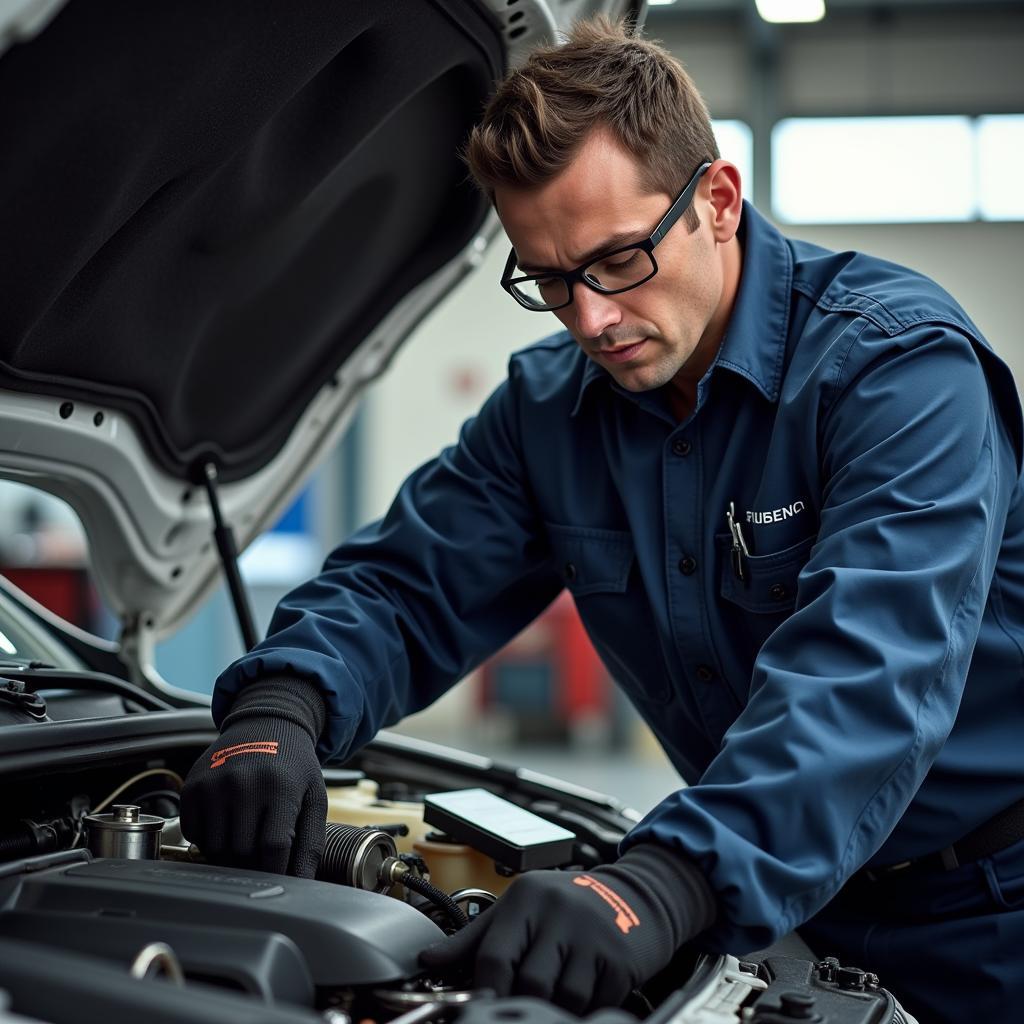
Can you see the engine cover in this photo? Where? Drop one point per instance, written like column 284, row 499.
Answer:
column 292, row 930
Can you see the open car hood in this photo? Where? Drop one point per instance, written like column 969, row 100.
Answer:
column 220, row 221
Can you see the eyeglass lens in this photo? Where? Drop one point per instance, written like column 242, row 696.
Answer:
column 612, row 273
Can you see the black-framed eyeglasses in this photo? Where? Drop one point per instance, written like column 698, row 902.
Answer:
column 610, row 273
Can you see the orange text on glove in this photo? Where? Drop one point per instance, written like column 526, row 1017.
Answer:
column 256, row 747
column 624, row 916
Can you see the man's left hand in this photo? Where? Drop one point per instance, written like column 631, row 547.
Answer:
column 583, row 939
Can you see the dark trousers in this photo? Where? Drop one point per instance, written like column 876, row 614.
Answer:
column 948, row 944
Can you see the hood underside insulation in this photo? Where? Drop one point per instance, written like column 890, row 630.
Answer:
column 206, row 207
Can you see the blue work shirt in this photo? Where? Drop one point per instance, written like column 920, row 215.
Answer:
column 851, row 692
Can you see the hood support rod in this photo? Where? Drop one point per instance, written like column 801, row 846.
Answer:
column 227, row 549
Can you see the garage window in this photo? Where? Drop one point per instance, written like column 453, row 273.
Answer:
column 897, row 169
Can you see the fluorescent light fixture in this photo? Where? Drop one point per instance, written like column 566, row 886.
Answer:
column 791, row 10
column 1000, row 155
column 660, row 3
column 850, row 170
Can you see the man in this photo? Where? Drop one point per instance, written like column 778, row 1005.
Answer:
column 783, row 487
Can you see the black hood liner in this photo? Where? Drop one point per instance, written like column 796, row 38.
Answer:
column 206, row 206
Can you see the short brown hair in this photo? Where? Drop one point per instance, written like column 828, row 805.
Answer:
column 602, row 76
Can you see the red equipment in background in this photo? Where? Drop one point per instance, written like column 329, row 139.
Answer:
column 549, row 679
column 65, row 590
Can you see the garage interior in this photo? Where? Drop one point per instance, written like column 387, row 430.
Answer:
column 953, row 65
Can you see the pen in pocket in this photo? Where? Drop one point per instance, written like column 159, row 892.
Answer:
column 739, row 550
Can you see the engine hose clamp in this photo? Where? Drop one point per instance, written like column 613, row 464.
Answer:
column 481, row 898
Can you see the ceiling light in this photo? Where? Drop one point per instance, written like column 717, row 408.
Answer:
column 791, row 10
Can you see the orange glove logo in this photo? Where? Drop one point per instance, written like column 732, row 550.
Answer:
column 624, row 916
column 256, row 747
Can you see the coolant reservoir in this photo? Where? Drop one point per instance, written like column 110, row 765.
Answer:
column 455, row 866
column 359, row 805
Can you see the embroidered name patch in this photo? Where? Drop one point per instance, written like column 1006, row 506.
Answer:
column 776, row 515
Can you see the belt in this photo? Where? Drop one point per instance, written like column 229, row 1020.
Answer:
column 998, row 833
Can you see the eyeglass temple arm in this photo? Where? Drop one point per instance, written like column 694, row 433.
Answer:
column 675, row 211
column 680, row 206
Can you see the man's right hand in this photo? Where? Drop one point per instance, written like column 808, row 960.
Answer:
column 256, row 798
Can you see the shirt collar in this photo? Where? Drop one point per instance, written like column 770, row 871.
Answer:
column 754, row 345
column 755, row 338
column 591, row 372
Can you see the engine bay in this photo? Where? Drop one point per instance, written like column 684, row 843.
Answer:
column 107, row 910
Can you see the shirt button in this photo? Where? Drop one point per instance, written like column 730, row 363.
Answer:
column 569, row 572
column 680, row 446
column 705, row 673
column 777, row 592
column 687, row 566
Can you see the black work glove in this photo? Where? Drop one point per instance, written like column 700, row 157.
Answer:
column 583, row 939
column 256, row 798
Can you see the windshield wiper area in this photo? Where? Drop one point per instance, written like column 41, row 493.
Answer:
column 70, row 694
column 19, row 705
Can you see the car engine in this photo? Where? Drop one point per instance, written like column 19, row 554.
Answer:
column 107, row 912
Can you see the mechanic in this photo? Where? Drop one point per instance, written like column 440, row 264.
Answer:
column 782, row 485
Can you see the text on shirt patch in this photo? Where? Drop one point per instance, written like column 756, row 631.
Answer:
column 776, row 515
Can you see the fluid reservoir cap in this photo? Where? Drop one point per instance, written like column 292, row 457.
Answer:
column 124, row 832
column 125, row 818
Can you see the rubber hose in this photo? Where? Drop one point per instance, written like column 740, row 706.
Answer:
column 16, row 842
column 27, row 839
column 437, row 897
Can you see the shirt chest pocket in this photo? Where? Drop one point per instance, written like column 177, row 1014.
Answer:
column 596, row 566
column 769, row 582
column 752, row 608
column 592, row 561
